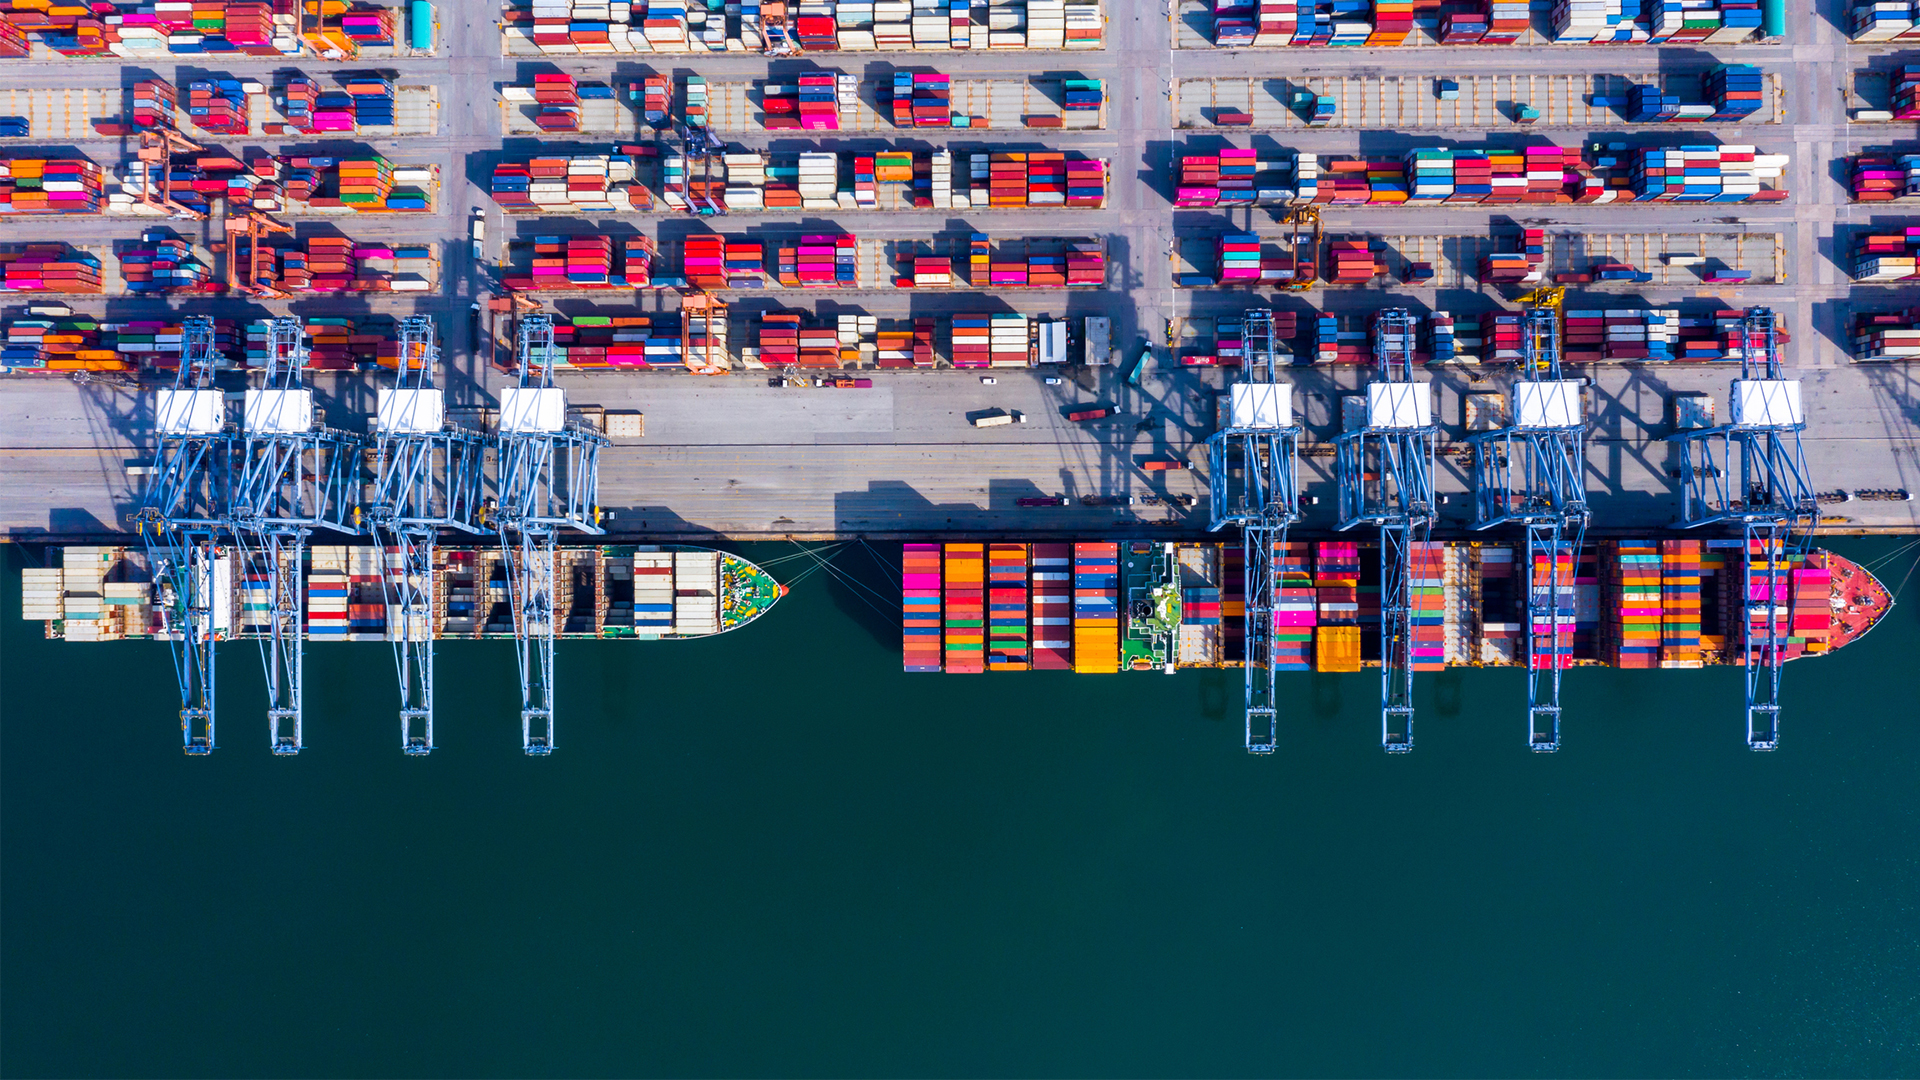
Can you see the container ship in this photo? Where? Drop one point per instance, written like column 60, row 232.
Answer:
column 1107, row 606
column 648, row 592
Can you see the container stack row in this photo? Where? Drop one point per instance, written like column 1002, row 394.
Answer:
column 1096, row 608
column 163, row 263
column 50, row 186
column 1893, row 255
column 1887, row 335
column 49, row 268
column 1294, row 607
column 1007, row 611
column 990, row 341
column 1680, row 624
column 920, row 597
column 1336, row 588
column 964, row 580
column 585, row 28
column 1885, row 178
column 1386, row 23
column 1553, row 609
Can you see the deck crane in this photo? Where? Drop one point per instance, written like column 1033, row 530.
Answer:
column 179, row 520
column 295, row 475
column 428, row 477
column 1532, row 473
column 548, row 480
column 1752, row 472
column 1259, row 445
column 1385, row 475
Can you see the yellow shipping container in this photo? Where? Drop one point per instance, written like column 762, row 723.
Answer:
column 1336, row 648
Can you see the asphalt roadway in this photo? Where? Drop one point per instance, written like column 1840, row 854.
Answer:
column 733, row 457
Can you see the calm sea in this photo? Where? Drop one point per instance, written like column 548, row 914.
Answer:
column 772, row 853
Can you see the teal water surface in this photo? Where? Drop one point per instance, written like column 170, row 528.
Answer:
column 772, row 853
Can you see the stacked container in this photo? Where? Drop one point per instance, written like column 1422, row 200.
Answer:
column 965, row 608
column 166, row 264
column 1705, row 174
column 1053, row 607
column 1500, row 629
column 1878, row 178
column 49, row 268
column 920, row 601
column 155, row 104
column 1680, row 604
column 1887, row 335
column 1551, row 650
column 1887, row 256
column 1336, row 584
column 1096, row 608
column 328, row 594
column 921, row 99
column 1633, row 639
column 49, row 186
column 1294, row 614
column 1007, row 639
column 1426, row 588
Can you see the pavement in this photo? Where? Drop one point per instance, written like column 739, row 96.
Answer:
column 733, row 457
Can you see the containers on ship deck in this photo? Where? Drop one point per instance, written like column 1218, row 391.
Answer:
column 1007, row 638
column 1052, row 587
column 920, row 598
column 964, row 578
column 1096, row 608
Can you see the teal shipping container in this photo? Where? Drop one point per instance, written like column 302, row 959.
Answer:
column 420, row 14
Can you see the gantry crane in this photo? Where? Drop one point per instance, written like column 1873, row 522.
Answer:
column 1532, row 473
column 256, row 227
column 1768, row 494
column 1259, row 448
column 1303, row 224
column 1385, row 474
column 428, row 476
column 189, row 489
column 548, row 480
column 157, row 147
column 295, row 475
column 708, row 309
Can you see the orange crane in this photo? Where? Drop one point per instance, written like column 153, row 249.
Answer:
column 157, row 147
column 709, row 308
column 256, row 227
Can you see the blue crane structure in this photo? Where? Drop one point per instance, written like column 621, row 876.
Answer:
column 429, row 475
column 1752, row 473
column 294, row 475
column 180, row 520
column 1384, row 470
column 1253, row 464
column 1532, row 473
column 547, row 480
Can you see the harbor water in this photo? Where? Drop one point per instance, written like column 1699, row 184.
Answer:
column 773, row 853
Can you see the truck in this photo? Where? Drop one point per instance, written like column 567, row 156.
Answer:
column 1042, row 500
column 1100, row 413
column 479, row 236
column 1139, row 365
column 1162, row 465
column 1001, row 419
